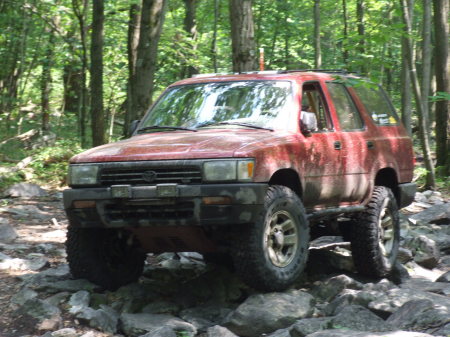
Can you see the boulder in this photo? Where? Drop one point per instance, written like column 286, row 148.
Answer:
column 350, row 333
column 307, row 326
column 265, row 313
column 138, row 324
column 7, row 232
column 425, row 251
column 419, row 315
column 329, row 289
column 25, row 190
column 436, row 213
column 358, row 318
column 219, row 331
column 444, row 277
column 162, row 332
column 206, row 316
column 105, row 319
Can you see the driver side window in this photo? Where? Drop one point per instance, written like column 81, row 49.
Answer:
column 313, row 101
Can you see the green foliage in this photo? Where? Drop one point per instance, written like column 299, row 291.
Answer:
column 440, row 96
column 183, row 334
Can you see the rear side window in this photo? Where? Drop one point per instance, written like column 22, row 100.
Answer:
column 377, row 104
column 347, row 113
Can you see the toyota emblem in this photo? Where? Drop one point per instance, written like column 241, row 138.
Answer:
column 149, row 176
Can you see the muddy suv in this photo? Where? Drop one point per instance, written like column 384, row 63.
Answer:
column 242, row 166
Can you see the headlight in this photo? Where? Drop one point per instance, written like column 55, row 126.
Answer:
column 222, row 170
column 83, row 174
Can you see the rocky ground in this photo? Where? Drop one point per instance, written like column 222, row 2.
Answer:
column 179, row 296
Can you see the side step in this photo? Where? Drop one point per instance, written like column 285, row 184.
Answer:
column 324, row 213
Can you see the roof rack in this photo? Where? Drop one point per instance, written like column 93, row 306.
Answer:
column 331, row 71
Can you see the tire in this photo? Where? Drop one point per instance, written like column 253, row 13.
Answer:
column 262, row 256
column 375, row 235
column 109, row 258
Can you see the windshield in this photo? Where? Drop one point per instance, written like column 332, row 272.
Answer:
column 263, row 104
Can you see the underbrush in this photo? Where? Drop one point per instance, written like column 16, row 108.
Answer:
column 46, row 166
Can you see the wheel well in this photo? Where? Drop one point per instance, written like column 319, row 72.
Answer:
column 388, row 178
column 288, row 178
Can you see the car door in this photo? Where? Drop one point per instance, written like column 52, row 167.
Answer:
column 321, row 162
column 356, row 149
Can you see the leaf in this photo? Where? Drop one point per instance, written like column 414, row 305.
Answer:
column 440, row 96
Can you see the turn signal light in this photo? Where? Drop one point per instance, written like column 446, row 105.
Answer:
column 217, row 200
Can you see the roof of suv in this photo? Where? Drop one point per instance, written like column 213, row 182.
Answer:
column 266, row 75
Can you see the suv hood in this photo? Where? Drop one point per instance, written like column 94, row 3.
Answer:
column 179, row 145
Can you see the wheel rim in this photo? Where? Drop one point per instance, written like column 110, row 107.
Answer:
column 281, row 238
column 386, row 229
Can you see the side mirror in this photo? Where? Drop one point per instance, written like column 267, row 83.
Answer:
column 133, row 126
column 308, row 122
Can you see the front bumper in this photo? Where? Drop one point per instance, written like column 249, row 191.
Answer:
column 145, row 207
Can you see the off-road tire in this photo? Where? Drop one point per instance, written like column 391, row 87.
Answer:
column 251, row 253
column 110, row 258
column 374, row 249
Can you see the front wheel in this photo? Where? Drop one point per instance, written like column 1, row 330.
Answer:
column 271, row 253
column 108, row 257
column 375, row 235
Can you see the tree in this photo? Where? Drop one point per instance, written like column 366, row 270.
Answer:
column 345, row 40
column 317, row 52
column 242, row 36
column 97, row 113
column 442, row 69
column 406, row 94
column 360, row 6
column 152, row 18
column 423, row 132
column 46, row 79
column 190, row 25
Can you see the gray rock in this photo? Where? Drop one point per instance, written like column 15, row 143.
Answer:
column 441, row 288
column 419, row 315
column 67, row 285
column 161, row 307
column 356, row 317
column 349, row 297
column 390, row 301
column 444, row 277
column 23, row 264
column 48, row 316
column 265, row 313
column 426, row 252
column 332, row 287
column 25, row 190
column 433, row 214
column 162, row 332
column 138, row 324
column 67, row 332
column 206, row 316
column 404, row 255
column 79, row 301
column 23, row 295
column 219, row 331
column 41, row 279
column 350, row 333
column 443, row 331
column 307, row 326
column 7, row 232
column 105, row 319
column 58, row 298
column 280, row 333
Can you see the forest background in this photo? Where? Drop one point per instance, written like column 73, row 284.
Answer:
column 75, row 73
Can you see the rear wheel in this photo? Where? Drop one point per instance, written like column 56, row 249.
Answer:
column 375, row 235
column 271, row 253
column 107, row 257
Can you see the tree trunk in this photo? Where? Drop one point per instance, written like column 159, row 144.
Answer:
column 152, row 18
column 345, row 42
column 214, row 39
column 81, row 15
column 132, row 45
column 46, row 80
column 442, row 70
column 317, row 52
column 97, row 113
column 242, row 36
column 360, row 6
column 190, row 25
column 430, row 179
column 406, row 94
column 426, row 60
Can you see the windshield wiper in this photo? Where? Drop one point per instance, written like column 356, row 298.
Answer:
column 154, row 127
column 235, row 123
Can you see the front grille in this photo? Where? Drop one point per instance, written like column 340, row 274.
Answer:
column 134, row 213
column 153, row 175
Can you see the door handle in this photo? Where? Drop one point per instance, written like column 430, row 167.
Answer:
column 370, row 144
column 337, row 145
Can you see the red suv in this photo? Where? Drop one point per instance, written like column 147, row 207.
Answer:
column 241, row 166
